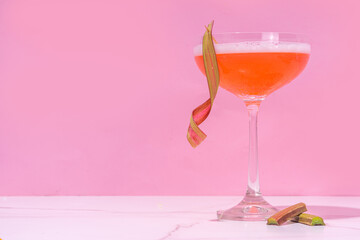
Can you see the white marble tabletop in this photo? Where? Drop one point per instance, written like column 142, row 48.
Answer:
column 165, row 218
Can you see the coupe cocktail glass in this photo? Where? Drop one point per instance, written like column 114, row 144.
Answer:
column 251, row 66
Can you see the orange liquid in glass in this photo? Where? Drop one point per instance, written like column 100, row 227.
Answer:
column 257, row 73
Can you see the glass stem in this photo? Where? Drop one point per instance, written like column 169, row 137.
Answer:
column 253, row 188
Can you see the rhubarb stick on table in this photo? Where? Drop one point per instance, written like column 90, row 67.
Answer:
column 286, row 214
column 308, row 219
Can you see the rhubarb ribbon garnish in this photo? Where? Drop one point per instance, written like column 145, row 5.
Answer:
column 195, row 135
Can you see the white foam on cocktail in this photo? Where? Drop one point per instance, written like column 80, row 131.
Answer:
column 251, row 47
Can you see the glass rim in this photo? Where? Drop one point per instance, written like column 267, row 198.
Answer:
column 268, row 42
column 292, row 33
column 262, row 36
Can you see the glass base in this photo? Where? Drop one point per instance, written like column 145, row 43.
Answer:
column 251, row 208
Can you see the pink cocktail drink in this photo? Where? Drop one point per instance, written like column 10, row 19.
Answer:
column 255, row 69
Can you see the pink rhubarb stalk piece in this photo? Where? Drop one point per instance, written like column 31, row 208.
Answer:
column 195, row 135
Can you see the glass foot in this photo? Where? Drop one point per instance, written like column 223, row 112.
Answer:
column 249, row 209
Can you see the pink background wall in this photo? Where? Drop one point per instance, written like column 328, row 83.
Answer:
column 95, row 99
